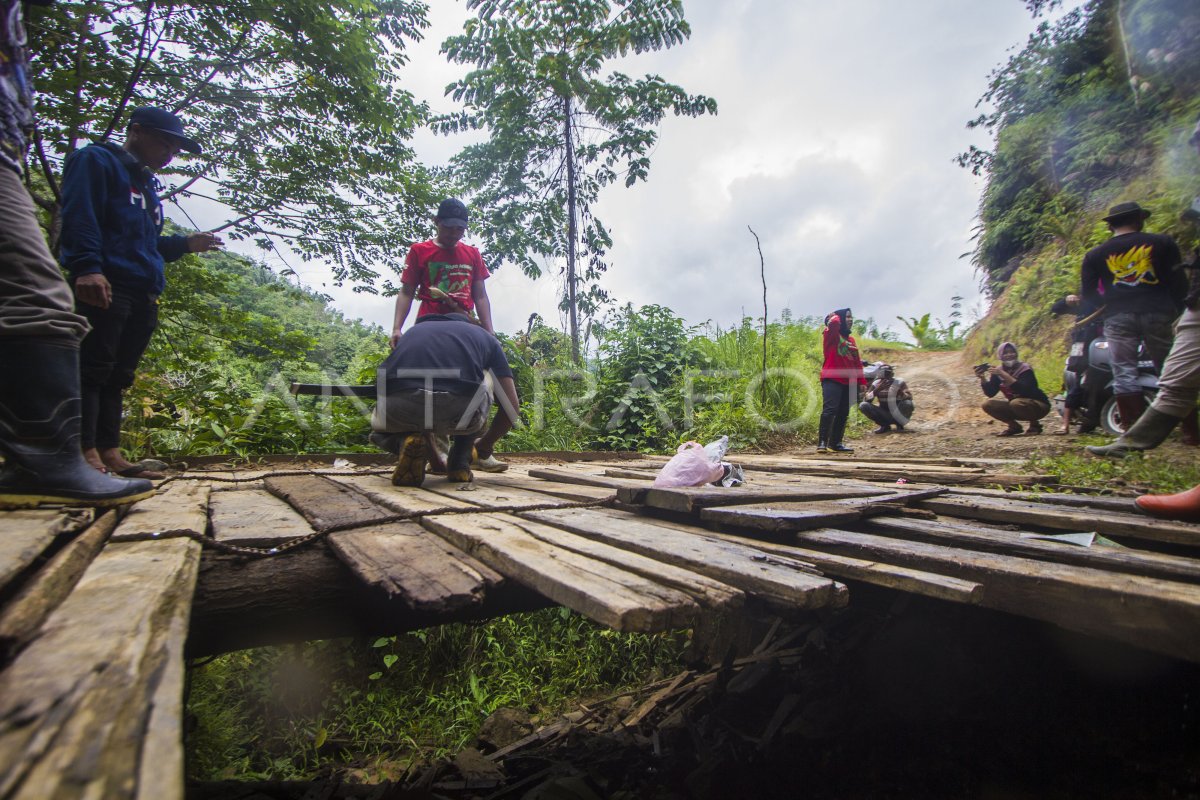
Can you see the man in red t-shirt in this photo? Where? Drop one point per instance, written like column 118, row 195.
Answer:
column 445, row 274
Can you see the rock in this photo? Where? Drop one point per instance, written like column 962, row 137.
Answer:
column 505, row 726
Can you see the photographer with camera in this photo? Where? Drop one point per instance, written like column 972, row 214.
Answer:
column 895, row 401
column 1020, row 400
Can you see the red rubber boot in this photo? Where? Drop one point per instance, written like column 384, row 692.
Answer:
column 1184, row 506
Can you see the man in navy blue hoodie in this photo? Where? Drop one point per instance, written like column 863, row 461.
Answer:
column 112, row 246
column 39, row 332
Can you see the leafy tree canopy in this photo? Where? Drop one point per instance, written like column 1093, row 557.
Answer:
column 296, row 102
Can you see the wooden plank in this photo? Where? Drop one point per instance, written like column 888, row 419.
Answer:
column 483, row 492
column 1068, row 519
column 255, row 518
column 611, row 596
column 78, row 706
column 25, row 535
column 782, row 517
column 708, row 593
column 24, row 614
column 182, row 506
column 784, row 582
column 1098, row 502
column 1155, row 614
column 575, row 492
column 692, row 498
column 401, row 499
column 961, row 533
column 581, row 477
column 324, row 502
column 404, row 561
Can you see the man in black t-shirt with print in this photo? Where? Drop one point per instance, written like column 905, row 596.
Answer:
column 442, row 377
column 1136, row 277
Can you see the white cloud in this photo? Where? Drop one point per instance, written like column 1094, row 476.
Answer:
column 834, row 140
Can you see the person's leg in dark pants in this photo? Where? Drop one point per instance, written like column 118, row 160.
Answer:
column 831, row 392
column 878, row 415
column 838, row 431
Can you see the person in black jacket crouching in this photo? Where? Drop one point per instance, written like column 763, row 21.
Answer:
column 1013, row 393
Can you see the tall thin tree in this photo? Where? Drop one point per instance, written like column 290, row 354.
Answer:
column 559, row 130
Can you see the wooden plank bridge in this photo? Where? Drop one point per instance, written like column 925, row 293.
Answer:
column 98, row 613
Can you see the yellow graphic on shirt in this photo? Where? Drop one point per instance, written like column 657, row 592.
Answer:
column 1133, row 267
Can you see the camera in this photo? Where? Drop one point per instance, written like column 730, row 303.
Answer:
column 981, row 368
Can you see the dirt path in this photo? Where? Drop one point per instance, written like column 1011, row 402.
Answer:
column 948, row 420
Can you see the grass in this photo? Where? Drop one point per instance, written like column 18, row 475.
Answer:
column 1170, row 468
column 284, row 713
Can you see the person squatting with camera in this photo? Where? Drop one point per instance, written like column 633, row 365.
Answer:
column 895, row 403
column 1013, row 393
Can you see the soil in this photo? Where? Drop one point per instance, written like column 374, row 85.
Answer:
column 948, row 420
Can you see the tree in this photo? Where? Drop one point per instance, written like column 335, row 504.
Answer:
column 559, row 131
column 296, row 101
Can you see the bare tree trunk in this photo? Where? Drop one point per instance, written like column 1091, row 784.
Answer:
column 1125, row 49
column 762, row 268
column 572, row 303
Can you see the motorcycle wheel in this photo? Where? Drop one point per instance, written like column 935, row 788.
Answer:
column 1110, row 415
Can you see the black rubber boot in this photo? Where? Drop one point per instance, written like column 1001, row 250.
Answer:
column 39, row 432
column 1150, row 430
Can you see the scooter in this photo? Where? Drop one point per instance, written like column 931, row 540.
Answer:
column 1098, row 373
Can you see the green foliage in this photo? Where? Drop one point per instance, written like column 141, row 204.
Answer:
column 1161, row 471
column 1091, row 106
column 232, row 336
column 298, row 104
column 929, row 335
column 286, row 712
column 558, row 129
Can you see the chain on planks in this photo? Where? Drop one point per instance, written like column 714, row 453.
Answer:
column 301, row 541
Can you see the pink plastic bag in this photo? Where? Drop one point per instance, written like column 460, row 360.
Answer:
column 688, row 467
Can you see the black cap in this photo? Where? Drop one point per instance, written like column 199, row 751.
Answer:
column 452, row 212
column 1122, row 211
column 163, row 121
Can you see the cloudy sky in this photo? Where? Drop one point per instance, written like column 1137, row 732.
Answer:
column 836, row 130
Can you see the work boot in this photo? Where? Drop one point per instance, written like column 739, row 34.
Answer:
column 1147, row 433
column 841, row 448
column 410, row 466
column 1184, row 506
column 1189, row 430
column 39, row 432
column 1131, row 406
column 458, row 462
column 822, row 447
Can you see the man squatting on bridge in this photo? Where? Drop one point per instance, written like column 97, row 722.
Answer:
column 442, row 378
column 39, row 331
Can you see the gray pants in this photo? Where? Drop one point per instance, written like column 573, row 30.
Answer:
column 1125, row 331
column 1180, row 381
column 35, row 300
column 443, row 413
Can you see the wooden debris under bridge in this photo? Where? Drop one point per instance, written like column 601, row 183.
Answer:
column 97, row 613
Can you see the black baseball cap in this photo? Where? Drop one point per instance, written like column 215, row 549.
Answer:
column 452, row 212
column 163, row 121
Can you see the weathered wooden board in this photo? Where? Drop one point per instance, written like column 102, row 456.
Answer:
column 962, row 533
column 611, row 596
column 402, row 499
column 483, row 492
column 255, row 518
column 708, row 593
column 324, row 502
column 1092, row 501
column 24, row 614
column 574, row 492
column 25, row 535
column 785, row 582
column 1068, row 519
column 1158, row 615
column 405, row 561
column 181, row 506
column 782, row 517
column 77, row 705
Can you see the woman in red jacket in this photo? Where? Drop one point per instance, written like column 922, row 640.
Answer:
column 842, row 380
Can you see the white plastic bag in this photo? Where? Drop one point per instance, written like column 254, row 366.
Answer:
column 689, row 466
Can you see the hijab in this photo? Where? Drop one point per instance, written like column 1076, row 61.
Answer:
column 1020, row 368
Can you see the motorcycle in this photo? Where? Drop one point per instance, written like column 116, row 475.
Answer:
column 1096, row 373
